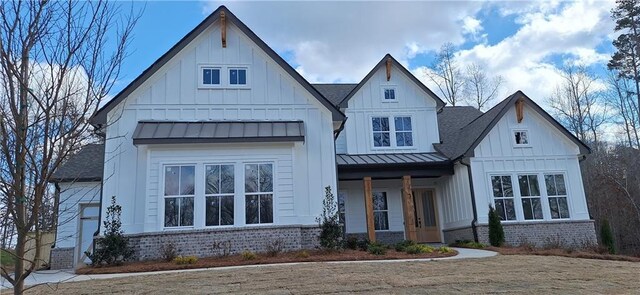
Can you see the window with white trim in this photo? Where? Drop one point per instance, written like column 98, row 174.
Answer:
column 237, row 76
column 401, row 137
column 179, row 192
column 219, row 194
column 210, row 76
column 504, row 200
column 388, row 94
column 557, row 193
column 530, row 196
column 404, row 131
column 381, row 132
column 258, row 185
column 521, row 137
column 380, row 211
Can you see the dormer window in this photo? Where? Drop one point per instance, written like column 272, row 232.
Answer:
column 521, row 137
column 389, row 94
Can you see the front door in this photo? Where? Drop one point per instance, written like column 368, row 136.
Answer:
column 89, row 214
column 426, row 212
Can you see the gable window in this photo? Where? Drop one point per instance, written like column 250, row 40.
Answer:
column 210, row 76
column 219, row 192
column 381, row 134
column 503, row 197
column 179, row 191
column 557, row 193
column 380, row 211
column 404, row 134
column 258, row 186
column 389, row 94
column 530, row 193
column 521, row 137
column 237, row 76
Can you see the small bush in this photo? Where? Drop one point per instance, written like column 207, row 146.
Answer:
column 445, row 249
column 377, row 249
column 329, row 222
column 248, row 255
column 606, row 236
column 401, row 247
column 468, row 244
column 363, row 245
column 496, row 232
column 185, row 260
column 419, row 249
column 554, row 242
column 351, row 243
column 302, row 254
column 526, row 245
column 168, row 252
column 275, row 247
column 113, row 248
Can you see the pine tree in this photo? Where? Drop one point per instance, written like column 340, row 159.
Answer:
column 496, row 232
column 606, row 236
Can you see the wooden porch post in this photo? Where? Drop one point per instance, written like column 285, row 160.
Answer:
column 409, row 216
column 368, row 204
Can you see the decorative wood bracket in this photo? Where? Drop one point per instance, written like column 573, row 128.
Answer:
column 520, row 110
column 223, row 29
column 388, row 69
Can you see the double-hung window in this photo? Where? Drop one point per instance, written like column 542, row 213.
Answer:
column 557, row 192
column 381, row 132
column 258, row 185
column 530, row 194
column 219, row 192
column 179, row 191
column 380, row 211
column 404, row 133
column 503, row 197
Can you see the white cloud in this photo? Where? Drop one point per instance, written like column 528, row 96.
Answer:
column 471, row 25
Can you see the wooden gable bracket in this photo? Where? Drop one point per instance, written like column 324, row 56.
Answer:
column 223, row 29
column 388, row 69
column 520, row 110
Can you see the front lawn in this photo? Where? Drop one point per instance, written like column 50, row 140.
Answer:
column 504, row 274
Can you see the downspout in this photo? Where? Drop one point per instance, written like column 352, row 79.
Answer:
column 97, row 233
column 56, row 207
column 473, row 202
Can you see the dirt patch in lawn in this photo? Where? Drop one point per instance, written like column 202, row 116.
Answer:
column 584, row 253
column 235, row 260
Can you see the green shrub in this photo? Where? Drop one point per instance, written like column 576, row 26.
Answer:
column 113, row 248
column 377, row 249
column 467, row 244
column 248, row 255
column 606, row 236
column 445, row 249
column 496, row 232
column 351, row 243
column 419, row 249
column 363, row 245
column 185, row 260
column 401, row 246
column 330, row 228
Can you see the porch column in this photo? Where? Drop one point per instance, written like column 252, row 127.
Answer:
column 368, row 205
column 409, row 216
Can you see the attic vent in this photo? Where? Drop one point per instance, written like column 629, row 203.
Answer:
column 223, row 29
column 520, row 110
column 388, row 69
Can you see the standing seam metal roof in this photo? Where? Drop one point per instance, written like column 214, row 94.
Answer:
column 391, row 159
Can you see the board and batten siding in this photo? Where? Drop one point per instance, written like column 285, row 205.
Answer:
column 549, row 151
column 172, row 93
column 72, row 196
column 455, row 198
column 368, row 102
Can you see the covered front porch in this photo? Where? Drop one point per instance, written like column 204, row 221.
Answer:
column 393, row 197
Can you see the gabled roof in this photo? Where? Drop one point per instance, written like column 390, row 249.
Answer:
column 84, row 166
column 101, row 116
column 460, row 142
column 335, row 92
column 440, row 104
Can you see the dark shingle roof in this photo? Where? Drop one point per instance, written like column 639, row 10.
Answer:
column 161, row 132
column 335, row 93
column 85, row 165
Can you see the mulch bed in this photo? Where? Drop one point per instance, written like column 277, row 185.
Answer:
column 235, row 260
column 561, row 252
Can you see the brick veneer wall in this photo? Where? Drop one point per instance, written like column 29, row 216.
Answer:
column 569, row 233
column 202, row 243
column 61, row 258
column 458, row 234
column 384, row 237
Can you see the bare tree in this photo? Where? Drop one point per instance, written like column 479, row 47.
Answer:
column 58, row 61
column 578, row 104
column 620, row 97
column 480, row 89
column 446, row 74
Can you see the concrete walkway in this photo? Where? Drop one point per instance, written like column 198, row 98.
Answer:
column 64, row 276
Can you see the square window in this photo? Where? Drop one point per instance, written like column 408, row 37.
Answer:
column 210, row 76
column 389, row 94
column 521, row 137
column 238, row 76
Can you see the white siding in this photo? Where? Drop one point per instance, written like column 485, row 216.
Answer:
column 455, row 198
column 72, row 195
column 172, row 94
column 411, row 101
column 549, row 151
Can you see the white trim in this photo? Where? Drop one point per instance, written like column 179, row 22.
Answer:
column 224, row 76
column 202, row 67
column 383, row 88
column 513, row 139
column 386, row 197
column 392, row 132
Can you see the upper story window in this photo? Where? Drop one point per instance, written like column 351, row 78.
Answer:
column 388, row 94
column 219, row 76
column 210, row 76
column 402, row 135
column 237, row 76
column 521, row 137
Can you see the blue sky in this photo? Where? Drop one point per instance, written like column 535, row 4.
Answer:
column 525, row 42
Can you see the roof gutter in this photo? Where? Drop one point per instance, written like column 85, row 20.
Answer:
column 474, row 222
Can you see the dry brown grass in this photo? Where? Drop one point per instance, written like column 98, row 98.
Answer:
column 500, row 274
column 584, row 253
